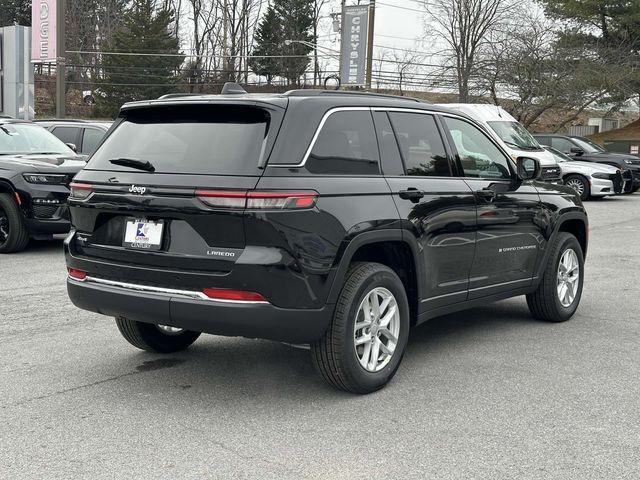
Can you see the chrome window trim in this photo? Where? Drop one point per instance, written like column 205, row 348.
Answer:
column 425, row 111
column 192, row 294
column 325, row 117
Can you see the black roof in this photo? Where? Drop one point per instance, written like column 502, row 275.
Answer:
column 318, row 99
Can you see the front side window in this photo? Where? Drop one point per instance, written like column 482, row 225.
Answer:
column 346, row 145
column 515, row 135
column 421, row 146
column 562, row 144
column 90, row 140
column 66, row 134
column 480, row 157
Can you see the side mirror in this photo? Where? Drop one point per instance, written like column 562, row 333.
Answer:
column 576, row 151
column 72, row 146
column 528, row 168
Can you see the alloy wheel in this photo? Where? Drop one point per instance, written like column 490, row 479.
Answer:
column 568, row 277
column 376, row 329
column 577, row 185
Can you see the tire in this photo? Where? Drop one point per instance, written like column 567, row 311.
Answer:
column 635, row 189
column 580, row 184
column 336, row 356
column 13, row 232
column 149, row 337
column 545, row 303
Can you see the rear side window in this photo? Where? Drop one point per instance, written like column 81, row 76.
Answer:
column 346, row 145
column 421, row 145
column 66, row 134
column 196, row 139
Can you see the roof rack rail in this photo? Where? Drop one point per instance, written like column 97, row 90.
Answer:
column 70, row 120
column 309, row 92
column 178, row 95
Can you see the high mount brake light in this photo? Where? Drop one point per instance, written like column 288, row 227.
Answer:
column 80, row 191
column 258, row 200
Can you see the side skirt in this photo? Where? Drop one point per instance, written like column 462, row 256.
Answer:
column 476, row 302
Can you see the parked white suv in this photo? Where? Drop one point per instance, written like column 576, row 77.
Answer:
column 513, row 137
column 589, row 179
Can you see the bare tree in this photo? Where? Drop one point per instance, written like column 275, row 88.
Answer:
column 318, row 6
column 533, row 75
column 466, row 26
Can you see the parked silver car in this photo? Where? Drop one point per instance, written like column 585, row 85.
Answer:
column 587, row 178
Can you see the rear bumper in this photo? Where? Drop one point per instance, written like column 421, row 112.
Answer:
column 252, row 320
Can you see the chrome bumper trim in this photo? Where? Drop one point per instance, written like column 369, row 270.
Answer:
column 170, row 292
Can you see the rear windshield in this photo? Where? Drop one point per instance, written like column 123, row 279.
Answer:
column 193, row 139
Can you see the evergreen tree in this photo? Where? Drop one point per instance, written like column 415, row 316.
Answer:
column 14, row 12
column 145, row 29
column 296, row 20
column 268, row 39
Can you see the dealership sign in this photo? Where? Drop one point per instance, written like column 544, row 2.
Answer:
column 353, row 45
column 43, row 31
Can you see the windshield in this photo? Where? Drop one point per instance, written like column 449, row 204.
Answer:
column 558, row 155
column 515, row 135
column 587, row 145
column 30, row 139
column 197, row 139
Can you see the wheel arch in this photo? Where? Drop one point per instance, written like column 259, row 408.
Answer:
column 575, row 223
column 6, row 187
column 390, row 248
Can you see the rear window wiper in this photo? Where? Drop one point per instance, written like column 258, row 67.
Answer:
column 133, row 163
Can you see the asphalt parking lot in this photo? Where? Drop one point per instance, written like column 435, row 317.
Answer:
column 488, row 393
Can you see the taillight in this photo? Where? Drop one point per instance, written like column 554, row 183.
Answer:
column 281, row 200
column 258, row 200
column 223, row 198
column 80, row 191
column 76, row 274
column 233, row 295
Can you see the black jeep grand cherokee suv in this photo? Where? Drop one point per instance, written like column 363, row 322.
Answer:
column 330, row 218
column 35, row 172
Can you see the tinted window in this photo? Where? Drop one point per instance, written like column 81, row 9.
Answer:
column 562, row 144
column 346, row 145
column 67, row 134
column 478, row 155
column 389, row 153
column 543, row 140
column 421, row 146
column 90, row 139
column 202, row 139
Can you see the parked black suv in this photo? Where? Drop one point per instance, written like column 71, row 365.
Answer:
column 581, row 148
column 330, row 218
column 35, row 171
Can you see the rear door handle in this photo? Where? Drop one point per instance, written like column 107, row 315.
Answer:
column 412, row 194
column 487, row 193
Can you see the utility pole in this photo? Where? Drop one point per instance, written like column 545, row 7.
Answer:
column 372, row 21
column 60, row 61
